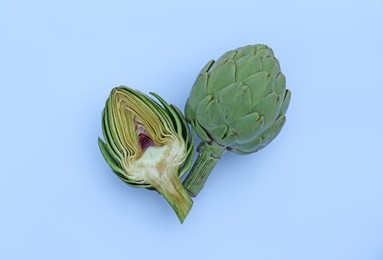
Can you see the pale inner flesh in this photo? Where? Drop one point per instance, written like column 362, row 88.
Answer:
column 157, row 164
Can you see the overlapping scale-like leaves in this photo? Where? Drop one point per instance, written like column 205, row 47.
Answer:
column 240, row 100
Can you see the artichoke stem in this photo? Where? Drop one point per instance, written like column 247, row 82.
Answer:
column 177, row 197
column 209, row 155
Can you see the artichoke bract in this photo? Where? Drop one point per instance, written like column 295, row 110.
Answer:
column 238, row 104
column 148, row 145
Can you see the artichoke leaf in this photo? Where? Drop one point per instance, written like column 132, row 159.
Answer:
column 229, row 98
column 248, row 66
column 221, row 75
column 286, row 102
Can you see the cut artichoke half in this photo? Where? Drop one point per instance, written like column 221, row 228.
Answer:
column 148, row 145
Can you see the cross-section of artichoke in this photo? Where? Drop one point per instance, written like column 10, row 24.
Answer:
column 238, row 104
column 147, row 144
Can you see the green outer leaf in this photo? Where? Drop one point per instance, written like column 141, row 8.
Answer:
column 229, row 98
column 286, row 102
column 209, row 113
column 197, row 93
column 170, row 113
column 246, row 50
column 202, row 133
column 108, row 158
column 219, row 132
column 229, row 139
column 189, row 159
column 187, row 134
column 264, row 51
column 185, row 130
column 230, row 55
column 260, row 85
column 247, row 66
column 247, row 127
column 262, row 140
column 207, row 67
column 267, row 108
column 113, row 150
column 280, row 83
column 270, row 64
column 221, row 75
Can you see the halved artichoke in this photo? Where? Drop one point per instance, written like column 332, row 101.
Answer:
column 148, row 145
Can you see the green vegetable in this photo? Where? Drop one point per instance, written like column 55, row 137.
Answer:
column 148, row 145
column 237, row 104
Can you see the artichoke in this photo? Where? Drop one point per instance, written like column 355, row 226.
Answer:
column 237, row 104
column 148, row 145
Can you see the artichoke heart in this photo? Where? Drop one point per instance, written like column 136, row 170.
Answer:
column 148, row 145
column 237, row 103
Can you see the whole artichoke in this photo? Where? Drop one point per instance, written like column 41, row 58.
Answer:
column 237, row 103
column 148, row 145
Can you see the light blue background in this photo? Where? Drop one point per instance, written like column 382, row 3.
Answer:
column 315, row 193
